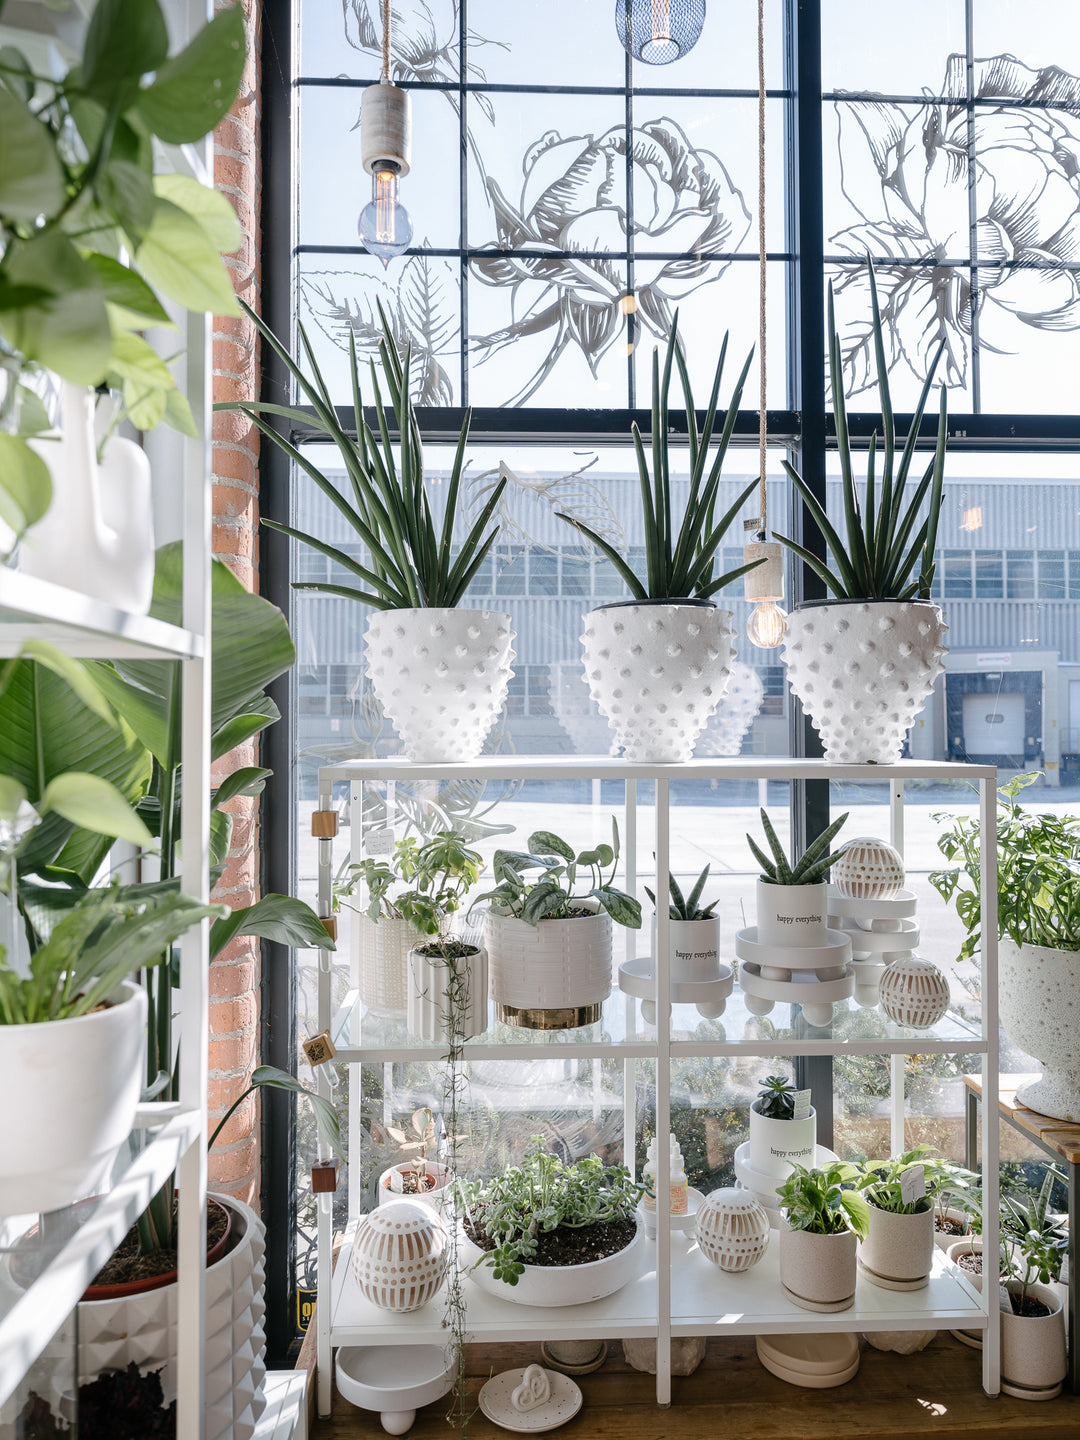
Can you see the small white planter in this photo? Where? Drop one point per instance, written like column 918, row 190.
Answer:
column 792, row 916
column 944, row 1238
column 898, row 1252
column 552, row 976
column 657, row 673
column 61, row 1138
column 431, row 981
column 1037, row 989
column 434, row 1199
column 441, row 677
column 777, row 1145
column 694, row 948
column 818, row 1272
column 384, row 964
column 863, row 671
column 549, row 1285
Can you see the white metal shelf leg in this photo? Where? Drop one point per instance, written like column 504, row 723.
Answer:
column 662, row 970
column 897, row 1098
column 991, row 1120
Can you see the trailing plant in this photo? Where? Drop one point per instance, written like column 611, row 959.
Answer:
column 680, row 554
column 561, row 889
column 776, row 1099
column 886, row 553
column 542, row 1194
column 824, row 1201
column 813, row 865
column 688, row 907
column 1038, row 873
column 411, row 562
column 881, row 1183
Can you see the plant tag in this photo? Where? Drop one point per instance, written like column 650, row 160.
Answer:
column 1004, row 1301
column 802, row 1105
column 912, row 1184
column 1063, row 1274
column 379, row 842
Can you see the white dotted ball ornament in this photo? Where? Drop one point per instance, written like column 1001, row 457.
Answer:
column 732, row 1230
column 399, row 1255
column 914, row 993
column 657, row 673
column 868, row 869
column 863, row 671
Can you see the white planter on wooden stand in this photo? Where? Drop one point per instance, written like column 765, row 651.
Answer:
column 863, row 671
column 818, row 1272
column 1037, row 990
column 898, row 1252
column 441, row 677
column 431, row 979
column 554, row 975
column 657, row 671
column 384, row 964
column 61, row 1139
column 777, row 1145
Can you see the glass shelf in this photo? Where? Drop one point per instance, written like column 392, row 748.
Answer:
column 83, row 627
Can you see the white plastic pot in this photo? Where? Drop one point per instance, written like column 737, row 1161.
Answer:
column 549, row 1285
column 551, row 976
column 78, row 1085
column 434, row 1199
column 1037, row 989
column 777, row 1145
column 432, row 984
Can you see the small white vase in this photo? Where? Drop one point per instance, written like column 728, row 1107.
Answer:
column 98, row 534
column 898, row 1251
column 431, row 984
column 1037, row 989
column 818, row 1272
column 793, row 916
column 777, row 1145
column 555, row 975
column 863, row 671
column 657, row 673
column 441, row 677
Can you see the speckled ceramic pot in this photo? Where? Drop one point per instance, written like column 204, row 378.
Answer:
column 658, row 672
column 441, row 676
column 863, row 671
column 898, row 1249
column 1039, row 997
column 818, row 1272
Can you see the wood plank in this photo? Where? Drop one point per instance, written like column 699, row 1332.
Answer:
column 1057, row 1135
column 894, row 1397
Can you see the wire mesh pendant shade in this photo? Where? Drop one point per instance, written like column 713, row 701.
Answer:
column 659, row 31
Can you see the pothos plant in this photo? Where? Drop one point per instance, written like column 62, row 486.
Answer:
column 881, row 1181
column 566, row 882
column 824, row 1200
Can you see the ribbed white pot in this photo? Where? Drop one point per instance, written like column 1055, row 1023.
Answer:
column 441, row 676
column 657, row 673
column 863, row 670
column 550, row 1285
column 777, row 1145
column 1037, row 989
column 557, row 968
column 143, row 1329
column 818, row 1271
column 792, row 915
column 384, row 964
column 433, row 985
column 899, row 1248
column 78, row 1085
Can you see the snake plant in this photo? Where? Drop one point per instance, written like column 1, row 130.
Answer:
column 813, row 865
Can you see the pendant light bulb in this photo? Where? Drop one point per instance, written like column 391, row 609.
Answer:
column 764, row 585
column 385, row 225
column 767, row 625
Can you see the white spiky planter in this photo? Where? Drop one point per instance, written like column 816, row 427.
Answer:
column 863, row 670
column 1037, row 990
column 658, row 672
column 441, row 677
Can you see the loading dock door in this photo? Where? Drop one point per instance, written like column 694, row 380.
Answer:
column 994, row 724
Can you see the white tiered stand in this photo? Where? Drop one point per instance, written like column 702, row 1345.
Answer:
column 678, row 1293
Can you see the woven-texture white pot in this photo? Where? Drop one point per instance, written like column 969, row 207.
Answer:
column 657, row 672
column 441, row 677
column 818, row 1271
column 384, row 964
column 399, row 1255
column 143, row 1329
column 555, row 965
column 431, row 986
column 549, row 1285
column 899, row 1248
column 914, row 992
column 863, row 671
column 62, row 1136
column 732, row 1230
column 777, row 1145
column 1037, row 989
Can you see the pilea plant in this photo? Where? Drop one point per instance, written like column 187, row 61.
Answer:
column 881, row 1180
column 566, row 881
column 688, row 907
column 824, row 1201
column 813, row 865
column 776, row 1100
column 543, row 1194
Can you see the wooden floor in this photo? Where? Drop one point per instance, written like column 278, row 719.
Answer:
column 732, row 1397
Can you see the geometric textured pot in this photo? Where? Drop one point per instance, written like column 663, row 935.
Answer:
column 1037, row 988
column 554, row 975
column 863, row 670
column 818, row 1272
column 441, row 676
column 434, row 986
column 143, row 1328
column 898, row 1251
column 657, row 672
column 399, row 1255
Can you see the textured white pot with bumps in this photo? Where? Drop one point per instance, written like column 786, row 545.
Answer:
column 441, row 677
column 657, row 672
column 1037, row 992
column 143, row 1328
column 863, row 670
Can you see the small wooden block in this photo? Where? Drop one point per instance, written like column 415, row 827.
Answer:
column 329, row 924
column 324, row 1177
column 324, row 824
column 319, row 1049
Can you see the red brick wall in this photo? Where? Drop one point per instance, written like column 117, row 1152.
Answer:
column 234, row 976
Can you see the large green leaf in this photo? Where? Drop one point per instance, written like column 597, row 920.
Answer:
column 178, row 256
column 125, row 190
column 92, row 802
column 125, row 39
column 31, row 176
column 70, row 333
column 210, row 208
column 129, row 293
column 25, row 484
column 275, row 917
column 195, row 90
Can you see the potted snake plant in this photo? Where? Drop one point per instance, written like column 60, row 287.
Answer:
column 863, row 662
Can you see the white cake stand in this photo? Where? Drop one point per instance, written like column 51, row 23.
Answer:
column 637, row 977
column 395, row 1380
column 814, row 976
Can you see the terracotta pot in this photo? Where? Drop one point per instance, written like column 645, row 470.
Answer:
column 898, row 1252
column 121, row 1288
column 818, row 1272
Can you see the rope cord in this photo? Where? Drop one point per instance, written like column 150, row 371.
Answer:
column 761, row 257
column 386, row 41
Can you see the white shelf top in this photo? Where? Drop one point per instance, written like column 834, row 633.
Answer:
column 32, row 609
column 703, row 1299
column 564, row 767
column 30, row 1317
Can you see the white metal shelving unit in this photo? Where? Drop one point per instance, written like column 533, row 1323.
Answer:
column 678, row 1293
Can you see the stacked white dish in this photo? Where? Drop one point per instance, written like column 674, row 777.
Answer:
column 882, row 930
